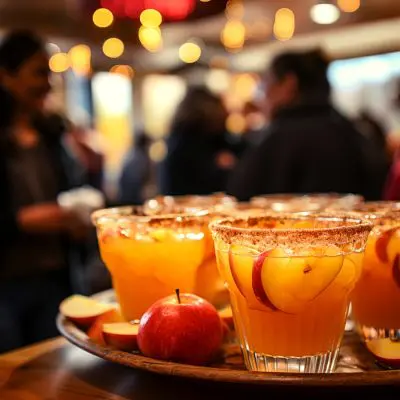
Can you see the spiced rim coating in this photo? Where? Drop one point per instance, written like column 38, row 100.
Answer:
column 361, row 225
column 138, row 214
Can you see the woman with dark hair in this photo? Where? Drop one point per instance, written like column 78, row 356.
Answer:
column 35, row 232
column 200, row 156
column 308, row 146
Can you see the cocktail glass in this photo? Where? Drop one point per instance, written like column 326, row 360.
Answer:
column 150, row 256
column 289, row 279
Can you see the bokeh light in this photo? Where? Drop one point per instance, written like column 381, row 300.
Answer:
column 158, row 151
column 80, row 59
column 103, row 18
column 234, row 9
column 124, row 70
column 151, row 18
column 233, row 35
column 236, row 123
column 284, row 24
column 59, row 62
column 324, row 13
column 150, row 38
column 349, row 6
column 245, row 86
column 113, row 47
column 190, row 52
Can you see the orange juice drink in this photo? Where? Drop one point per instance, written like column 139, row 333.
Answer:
column 289, row 279
column 150, row 256
column 376, row 298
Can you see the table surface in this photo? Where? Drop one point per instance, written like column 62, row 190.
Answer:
column 56, row 369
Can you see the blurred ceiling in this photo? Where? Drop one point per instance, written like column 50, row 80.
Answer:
column 69, row 21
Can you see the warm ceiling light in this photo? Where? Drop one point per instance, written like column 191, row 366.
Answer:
column 150, row 38
column 233, row 35
column 113, row 47
column 103, row 18
column 349, row 6
column 124, row 70
column 284, row 24
column 151, row 18
column 80, row 59
column 189, row 52
column 324, row 13
column 59, row 62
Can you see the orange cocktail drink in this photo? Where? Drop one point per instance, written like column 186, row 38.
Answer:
column 289, row 279
column 150, row 256
column 376, row 298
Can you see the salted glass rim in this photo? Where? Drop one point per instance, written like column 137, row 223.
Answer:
column 351, row 229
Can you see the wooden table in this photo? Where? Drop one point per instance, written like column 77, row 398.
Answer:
column 57, row 370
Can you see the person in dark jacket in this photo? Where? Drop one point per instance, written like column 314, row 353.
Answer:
column 308, row 147
column 35, row 233
column 200, row 155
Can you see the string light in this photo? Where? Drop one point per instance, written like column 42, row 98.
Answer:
column 59, row 62
column 190, row 52
column 80, row 59
column 349, row 6
column 324, row 13
column 233, row 35
column 284, row 24
column 150, row 38
column 103, row 18
column 124, row 70
column 113, row 47
column 150, row 18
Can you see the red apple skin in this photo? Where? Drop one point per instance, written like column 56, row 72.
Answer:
column 396, row 270
column 382, row 243
column 258, row 288
column 188, row 332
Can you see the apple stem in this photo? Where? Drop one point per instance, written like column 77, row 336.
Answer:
column 178, row 296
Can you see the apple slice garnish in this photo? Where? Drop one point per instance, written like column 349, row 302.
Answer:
column 387, row 351
column 257, row 283
column 381, row 245
column 396, row 270
column 83, row 310
column 290, row 283
column 121, row 335
column 95, row 333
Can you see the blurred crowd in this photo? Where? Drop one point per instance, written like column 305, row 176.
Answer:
column 305, row 146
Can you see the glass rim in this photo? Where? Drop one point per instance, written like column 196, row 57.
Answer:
column 357, row 231
column 138, row 214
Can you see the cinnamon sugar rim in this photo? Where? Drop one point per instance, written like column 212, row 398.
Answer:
column 137, row 214
column 350, row 229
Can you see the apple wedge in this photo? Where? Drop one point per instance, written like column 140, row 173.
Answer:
column 121, row 335
column 381, row 245
column 83, row 310
column 386, row 351
column 226, row 316
column 396, row 270
column 95, row 332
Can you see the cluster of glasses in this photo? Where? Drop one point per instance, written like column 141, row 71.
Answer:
column 288, row 265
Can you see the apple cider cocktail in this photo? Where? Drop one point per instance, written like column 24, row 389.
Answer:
column 289, row 279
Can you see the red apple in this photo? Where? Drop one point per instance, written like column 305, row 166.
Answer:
column 396, row 270
column 183, row 328
column 381, row 245
column 386, row 351
column 227, row 316
column 258, row 287
column 83, row 310
column 121, row 335
column 95, row 332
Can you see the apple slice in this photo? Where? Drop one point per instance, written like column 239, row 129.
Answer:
column 387, row 351
column 227, row 316
column 257, row 284
column 121, row 335
column 95, row 333
column 291, row 282
column 83, row 310
column 381, row 245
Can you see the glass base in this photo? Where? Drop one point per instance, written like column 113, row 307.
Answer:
column 371, row 333
column 320, row 363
